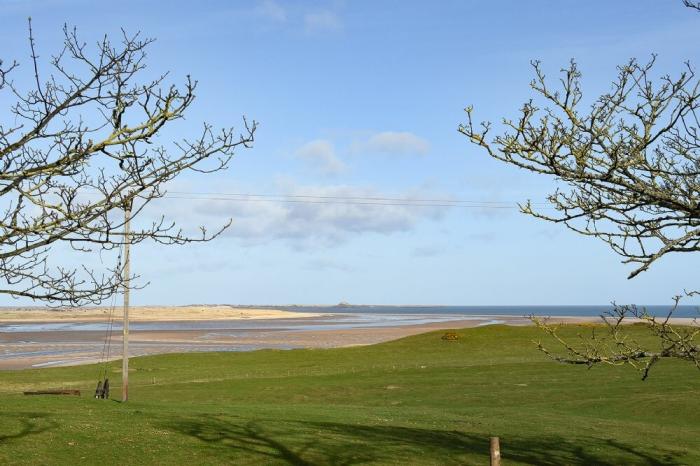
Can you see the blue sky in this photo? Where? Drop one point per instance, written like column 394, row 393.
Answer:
column 363, row 99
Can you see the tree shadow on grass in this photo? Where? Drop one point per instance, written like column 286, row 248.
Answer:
column 18, row 425
column 319, row 443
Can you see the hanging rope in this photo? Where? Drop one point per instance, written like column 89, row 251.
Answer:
column 102, row 390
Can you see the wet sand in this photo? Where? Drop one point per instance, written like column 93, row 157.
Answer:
column 22, row 350
column 22, row 346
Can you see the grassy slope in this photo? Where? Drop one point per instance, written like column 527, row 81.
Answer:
column 419, row 400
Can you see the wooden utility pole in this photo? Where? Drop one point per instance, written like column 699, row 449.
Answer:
column 125, row 351
column 495, row 452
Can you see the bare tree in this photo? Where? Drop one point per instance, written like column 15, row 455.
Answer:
column 80, row 146
column 631, row 161
column 617, row 347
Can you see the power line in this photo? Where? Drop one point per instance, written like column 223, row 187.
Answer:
column 363, row 198
column 342, row 200
column 346, row 202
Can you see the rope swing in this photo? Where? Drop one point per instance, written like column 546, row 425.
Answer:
column 102, row 390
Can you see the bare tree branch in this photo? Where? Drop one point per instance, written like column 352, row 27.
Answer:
column 615, row 347
column 631, row 162
column 82, row 144
column 692, row 4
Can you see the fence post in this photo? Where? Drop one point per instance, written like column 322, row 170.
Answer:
column 495, row 452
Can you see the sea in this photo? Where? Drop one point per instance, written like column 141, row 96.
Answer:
column 346, row 316
column 537, row 310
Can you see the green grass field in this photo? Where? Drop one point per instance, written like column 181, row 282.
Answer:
column 419, row 400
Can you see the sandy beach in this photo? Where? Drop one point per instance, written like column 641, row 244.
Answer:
column 32, row 349
column 32, row 338
column 147, row 313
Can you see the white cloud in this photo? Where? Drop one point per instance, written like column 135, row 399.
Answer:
column 272, row 10
column 486, row 237
column 427, row 251
column 328, row 265
column 322, row 21
column 324, row 222
column 322, row 153
column 401, row 143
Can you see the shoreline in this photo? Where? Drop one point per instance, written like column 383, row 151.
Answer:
column 70, row 343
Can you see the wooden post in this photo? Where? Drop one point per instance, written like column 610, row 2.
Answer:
column 495, row 452
column 125, row 351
